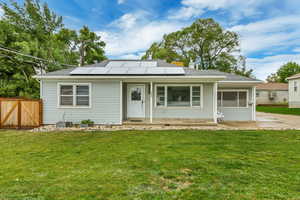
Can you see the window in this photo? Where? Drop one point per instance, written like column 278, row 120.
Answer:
column 74, row 95
column 257, row 94
column 136, row 94
column 196, row 96
column 295, row 86
column 66, row 95
column 233, row 99
column 160, row 96
column 178, row 96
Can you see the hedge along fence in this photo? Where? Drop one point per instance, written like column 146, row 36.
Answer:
column 20, row 113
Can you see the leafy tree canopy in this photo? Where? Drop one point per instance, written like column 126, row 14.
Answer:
column 206, row 43
column 33, row 29
column 285, row 71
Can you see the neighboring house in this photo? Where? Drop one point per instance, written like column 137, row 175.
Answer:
column 294, row 91
column 115, row 91
column 272, row 93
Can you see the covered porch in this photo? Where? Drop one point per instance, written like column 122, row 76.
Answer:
column 161, row 102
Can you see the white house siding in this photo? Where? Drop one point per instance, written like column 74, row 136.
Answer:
column 263, row 97
column 105, row 104
column 206, row 112
column 238, row 114
column 294, row 97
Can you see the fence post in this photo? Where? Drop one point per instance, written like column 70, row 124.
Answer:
column 0, row 114
column 19, row 114
column 41, row 112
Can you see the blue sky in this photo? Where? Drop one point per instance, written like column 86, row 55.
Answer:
column 269, row 29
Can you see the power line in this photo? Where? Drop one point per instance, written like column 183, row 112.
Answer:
column 33, row 57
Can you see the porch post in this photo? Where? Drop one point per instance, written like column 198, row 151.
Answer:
column 215, row 101
column 151, row 101
column 254, row 103
column 121, row 102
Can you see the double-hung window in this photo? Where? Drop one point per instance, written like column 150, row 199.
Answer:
column 74, row 95
column 233, row 98
column 295, row 86
column 178, row 95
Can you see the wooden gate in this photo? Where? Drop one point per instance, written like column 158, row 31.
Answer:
column 20, row 113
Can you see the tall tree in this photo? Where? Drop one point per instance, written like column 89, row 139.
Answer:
column 285, row 71
column 206, row 43
column 91, row 48
column 33, row 29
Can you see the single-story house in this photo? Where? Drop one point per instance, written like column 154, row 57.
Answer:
column 294, row 91
column 115, row 91
column 272, row 93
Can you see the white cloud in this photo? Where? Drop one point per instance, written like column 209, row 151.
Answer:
column 268, row 35
column 270, row 64
column 132, row 56
column 121, row 1
column 129, row 20
column 194, row 8
column 297, row 49
column 136, row 35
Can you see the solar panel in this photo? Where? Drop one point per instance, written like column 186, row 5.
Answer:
column 148, row 64
column 118, row 70
column 131, row 64
column 82, row 70
column 129, row 68
column 136, row 70
column 99, row 70
column 174, row 70
column 115, row 64
column 155, row 70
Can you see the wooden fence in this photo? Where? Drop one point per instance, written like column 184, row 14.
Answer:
column 20, row 113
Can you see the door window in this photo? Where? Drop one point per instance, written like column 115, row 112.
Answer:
column 136, row 94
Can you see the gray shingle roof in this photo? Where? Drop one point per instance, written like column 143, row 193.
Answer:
column 160, row 63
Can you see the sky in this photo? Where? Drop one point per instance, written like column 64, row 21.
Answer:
column 269, row 29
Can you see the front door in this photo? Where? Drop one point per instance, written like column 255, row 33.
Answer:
column 135, row 101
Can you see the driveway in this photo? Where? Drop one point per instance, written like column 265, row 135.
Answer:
column 267, row 121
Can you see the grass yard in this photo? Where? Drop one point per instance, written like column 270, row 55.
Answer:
column 150, row 165
column 279, row 110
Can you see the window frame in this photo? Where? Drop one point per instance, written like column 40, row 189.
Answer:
column 238, row 99
column 178, row 85
column 74, row 95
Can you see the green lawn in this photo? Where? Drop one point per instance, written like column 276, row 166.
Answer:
column 279, row 110
column 150, row 165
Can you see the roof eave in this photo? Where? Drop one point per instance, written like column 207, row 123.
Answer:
column 292, row 78
column 215, row 78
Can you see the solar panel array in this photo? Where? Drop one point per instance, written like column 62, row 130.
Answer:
column 128, row 68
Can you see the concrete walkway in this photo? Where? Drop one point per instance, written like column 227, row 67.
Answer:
column 265, row 121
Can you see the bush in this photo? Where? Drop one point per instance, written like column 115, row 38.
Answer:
column 87, row 121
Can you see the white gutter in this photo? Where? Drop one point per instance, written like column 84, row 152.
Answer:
column 240, row 81
column 129, row 77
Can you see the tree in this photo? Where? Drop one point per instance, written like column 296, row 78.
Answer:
column 206, row 43
column 33, row 29
column 285, row 71
column 91, row 48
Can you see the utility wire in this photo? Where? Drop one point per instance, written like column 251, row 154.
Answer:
column 34, row 57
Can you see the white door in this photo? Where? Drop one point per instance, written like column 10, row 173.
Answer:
column 135, row 101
